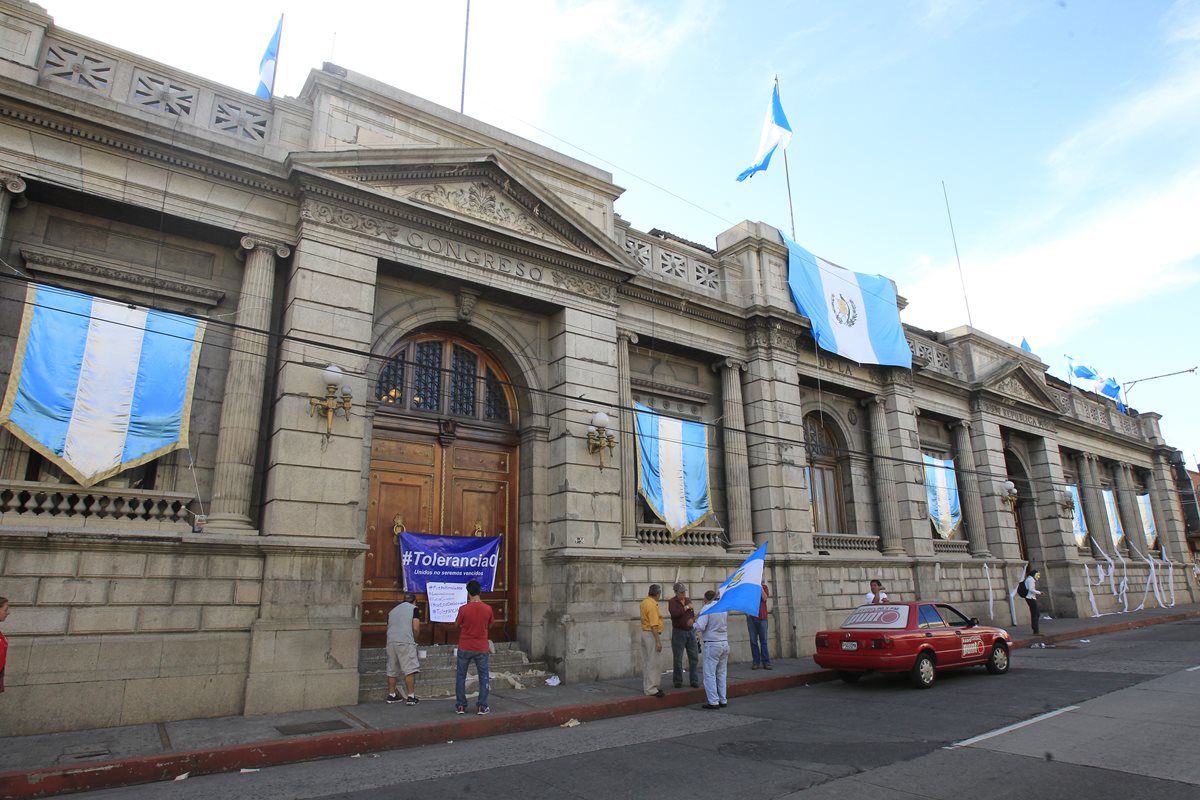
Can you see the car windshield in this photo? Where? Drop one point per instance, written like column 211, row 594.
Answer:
column 877, row 616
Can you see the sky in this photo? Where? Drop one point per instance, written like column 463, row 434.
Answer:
column 1066, row 135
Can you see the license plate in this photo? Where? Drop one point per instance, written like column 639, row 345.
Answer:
column 849, row 645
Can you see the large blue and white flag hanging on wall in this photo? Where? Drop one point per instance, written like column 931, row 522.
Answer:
column 742, row 591
column 852, row 314
column 98, row 386
column 1114, row 519
column 1148, row 526
column 1078, row 523
column 942, row 488
column 673, row 469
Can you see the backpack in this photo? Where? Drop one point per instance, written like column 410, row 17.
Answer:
column 1022, row 589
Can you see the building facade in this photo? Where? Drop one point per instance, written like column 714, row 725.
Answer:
column 483, row 301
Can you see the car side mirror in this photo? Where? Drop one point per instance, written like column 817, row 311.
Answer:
column 974, row 621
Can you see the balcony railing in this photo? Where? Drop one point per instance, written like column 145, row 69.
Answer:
column 845, row 541
column 648, row 533
column 24, row 503
column 950, row 546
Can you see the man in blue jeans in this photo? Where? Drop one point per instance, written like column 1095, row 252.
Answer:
column 473, row 622
column 757, row 626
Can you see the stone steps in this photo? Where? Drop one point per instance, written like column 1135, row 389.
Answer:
column 509, row 667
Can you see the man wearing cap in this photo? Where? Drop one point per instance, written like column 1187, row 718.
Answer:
column 651, row 642
column 683, row 638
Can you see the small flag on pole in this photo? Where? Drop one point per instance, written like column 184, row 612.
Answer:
column 1025, row 345
column 776, row 134
column 266, row 68
column 742, row 591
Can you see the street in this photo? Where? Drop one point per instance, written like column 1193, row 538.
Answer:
column 1122, row 713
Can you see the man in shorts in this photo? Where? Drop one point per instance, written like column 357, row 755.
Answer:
column 402, row 650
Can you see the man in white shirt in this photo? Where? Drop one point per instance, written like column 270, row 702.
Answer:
column 403, row 626
column 713, row 632
column 877, row 595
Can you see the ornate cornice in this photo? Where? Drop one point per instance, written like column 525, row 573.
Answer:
column 122, row 279
column 670, row 389
column 773, row 334
column 682, row 305
column 583, row 286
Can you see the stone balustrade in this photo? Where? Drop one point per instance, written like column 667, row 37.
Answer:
column 652, row 534
column 25, row 503
column 951, row 546
column 829, row 542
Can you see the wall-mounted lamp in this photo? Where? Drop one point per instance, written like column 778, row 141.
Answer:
column 1067, row 503
column 1008, row 493
column 599, row 438
column 337, row 398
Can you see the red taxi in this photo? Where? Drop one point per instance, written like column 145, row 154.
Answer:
column 917, row 638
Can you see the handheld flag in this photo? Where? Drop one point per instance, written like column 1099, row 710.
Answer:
column 852, row 314
column 742, row 591
column 266, row 68
column 673, row 469
column 776, row 134
column 99, row 386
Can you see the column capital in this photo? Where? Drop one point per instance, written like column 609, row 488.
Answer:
column 250, row 242
column 630, row 336
column 873, row 400
column 729, row 363
column 12, row 182
column 965, row 424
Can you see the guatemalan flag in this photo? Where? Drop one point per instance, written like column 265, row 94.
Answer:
column 852, row 314
column 673, row 468
column 942, row 488
column 266, row 68
column 742, row 591
column 99, row 386
column 776, row 134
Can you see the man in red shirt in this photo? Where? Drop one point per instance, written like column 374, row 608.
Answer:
column 757, row 625
column 473, row 622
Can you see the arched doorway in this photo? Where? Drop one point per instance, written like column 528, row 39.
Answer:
column 443, row 461
column 1024, row 510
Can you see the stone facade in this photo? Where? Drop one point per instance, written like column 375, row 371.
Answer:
column 354, row 220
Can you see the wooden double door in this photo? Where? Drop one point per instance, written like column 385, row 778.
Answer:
column 444, row 479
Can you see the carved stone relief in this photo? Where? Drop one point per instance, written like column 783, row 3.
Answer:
column 479, row 200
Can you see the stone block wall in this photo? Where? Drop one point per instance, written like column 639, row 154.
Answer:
column 106, row 632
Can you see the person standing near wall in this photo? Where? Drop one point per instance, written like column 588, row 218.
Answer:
column 757, row 626
column 3, row 641
column 1027, row 588
column 652, row 626
column 402, row 629
column 473, row 621
column 683, row 638
column 713, row 630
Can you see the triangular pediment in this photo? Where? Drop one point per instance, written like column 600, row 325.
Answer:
column 1016, row 381
column 476, row 187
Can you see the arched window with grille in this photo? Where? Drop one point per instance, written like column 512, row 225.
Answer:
column 825, row 476
column 443, row 375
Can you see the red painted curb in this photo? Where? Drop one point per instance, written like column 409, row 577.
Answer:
column 47, row 781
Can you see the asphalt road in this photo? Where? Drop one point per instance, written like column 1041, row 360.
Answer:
column 1121, row 720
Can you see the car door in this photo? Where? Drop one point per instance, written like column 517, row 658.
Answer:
column 971, row 645
column 938, row 635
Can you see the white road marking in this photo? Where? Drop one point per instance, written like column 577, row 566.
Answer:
column 1191, row 669
column 1007, row 728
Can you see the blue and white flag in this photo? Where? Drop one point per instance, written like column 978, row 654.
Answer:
column 673, row 469
column 1148, row 526
column 1114, row 519
column 852, row 314
column 776, row 134
column 1078, row 523
column 1025, row 345
column 742, row 591
column 266, row 67
column 942, row 488
column 98, row 386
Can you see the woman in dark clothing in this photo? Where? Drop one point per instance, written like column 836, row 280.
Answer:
column 1028, row 589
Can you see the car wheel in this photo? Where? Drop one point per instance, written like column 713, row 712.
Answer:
column 997, row 662
column 923, row 672
column 850, row 677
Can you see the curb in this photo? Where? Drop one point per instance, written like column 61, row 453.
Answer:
column 47, row 781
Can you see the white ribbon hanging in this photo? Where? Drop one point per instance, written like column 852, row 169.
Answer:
column 1112, row 568
column 1158, row 594
column 1162, row 543
column 1012, row 595
column 1149, row 579
column 1124, row 584
column 987, row 573
column 1087, row 575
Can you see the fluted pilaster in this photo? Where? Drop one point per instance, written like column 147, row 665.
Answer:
column 628, row 434
column 737, row 464
column 1131, row 520
column 885, row 483
column 241, row 409
column 1093, row 504
column 968, row 484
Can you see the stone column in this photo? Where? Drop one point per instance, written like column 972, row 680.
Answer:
column 972, row 502
column 1093, row 505
column 737, row 464
column 628, row 436
column 1131, row 520
column 241, row 407
column 892, row 540
column 1164, row 499
column 14, row 455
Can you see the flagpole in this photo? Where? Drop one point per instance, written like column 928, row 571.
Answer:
column 278, row 49
column 787, row 174
column 954, row 239
column 462, row 98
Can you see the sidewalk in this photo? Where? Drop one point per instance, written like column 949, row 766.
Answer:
column 39, row 766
